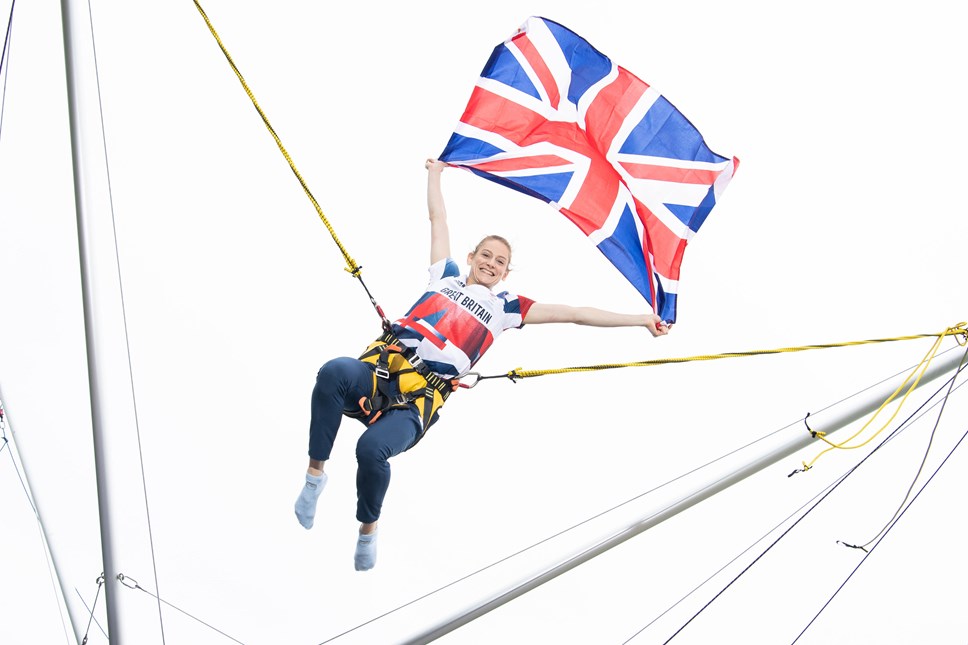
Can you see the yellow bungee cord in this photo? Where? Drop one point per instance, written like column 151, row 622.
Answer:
column 961, row 337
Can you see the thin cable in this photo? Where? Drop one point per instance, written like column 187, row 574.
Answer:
column 131, row 583
column 911, row 420
column 590, row 519
column 91, row 610
column 867, row 554
column 33, row 508
column 551, row 537
column 731, row 561
column 917, row 475
column 3, row 57
column 812, row 508
column 100, row 583
column 124, row 316
column 16, row 468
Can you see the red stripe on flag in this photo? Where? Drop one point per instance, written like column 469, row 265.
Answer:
column 667, row 173
column 491, row 112
column 539, row 67
column 595, row 198
column 518, row 163
column 666, row 246
column 600, row 186
column 610, row 109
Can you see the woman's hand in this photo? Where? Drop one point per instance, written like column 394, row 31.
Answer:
column 657, row 326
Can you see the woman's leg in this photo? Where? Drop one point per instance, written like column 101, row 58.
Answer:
column 394, row 433
column 339, row 385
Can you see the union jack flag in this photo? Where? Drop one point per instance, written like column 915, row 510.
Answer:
column 554, row 118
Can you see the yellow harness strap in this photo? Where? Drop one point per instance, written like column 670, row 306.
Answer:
column 415, row 383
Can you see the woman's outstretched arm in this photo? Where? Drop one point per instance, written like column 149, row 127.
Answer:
column 541, row 313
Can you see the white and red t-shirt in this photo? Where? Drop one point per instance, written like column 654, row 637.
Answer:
column 453, row 323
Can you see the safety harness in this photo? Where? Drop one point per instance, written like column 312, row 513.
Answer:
column 401, row 378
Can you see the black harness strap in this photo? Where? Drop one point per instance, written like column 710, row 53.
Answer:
column 387, row 393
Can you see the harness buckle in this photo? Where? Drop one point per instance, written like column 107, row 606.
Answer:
column 416, row 362
column 382, row 371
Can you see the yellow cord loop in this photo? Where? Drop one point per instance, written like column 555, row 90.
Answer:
column 958, row 331
column 352, row 267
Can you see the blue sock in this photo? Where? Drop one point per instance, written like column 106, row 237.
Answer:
column 306, row 502
column 365, row 557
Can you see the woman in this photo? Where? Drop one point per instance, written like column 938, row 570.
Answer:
column 448, row 329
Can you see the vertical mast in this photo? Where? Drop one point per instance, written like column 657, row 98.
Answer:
column 116, row 447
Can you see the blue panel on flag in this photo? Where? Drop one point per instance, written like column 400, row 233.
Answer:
column 503, row 67
column 665, row 132
column 547, row 188
column 588, row 65
column 694, row 216
column 623, row 248
column 461, row 148
column 551, row 186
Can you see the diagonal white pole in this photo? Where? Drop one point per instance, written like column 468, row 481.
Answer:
column 459, row 606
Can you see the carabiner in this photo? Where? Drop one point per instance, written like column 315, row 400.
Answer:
column 477, row 380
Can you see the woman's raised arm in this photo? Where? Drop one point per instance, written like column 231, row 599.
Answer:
column 439, row 233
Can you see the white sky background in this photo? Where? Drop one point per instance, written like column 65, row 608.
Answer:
column 844, row 222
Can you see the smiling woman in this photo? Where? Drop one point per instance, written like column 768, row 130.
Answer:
column 398, row 385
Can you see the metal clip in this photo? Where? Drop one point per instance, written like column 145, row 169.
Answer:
column 477, row 379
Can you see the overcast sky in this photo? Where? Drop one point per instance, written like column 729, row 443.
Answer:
column 844, row 222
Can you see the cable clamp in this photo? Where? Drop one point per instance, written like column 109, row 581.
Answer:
column 853, row 546
column 133, row 584
column 800, row 470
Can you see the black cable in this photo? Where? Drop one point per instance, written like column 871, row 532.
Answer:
column 897, row 517
column 817, row 503
column 3, row 57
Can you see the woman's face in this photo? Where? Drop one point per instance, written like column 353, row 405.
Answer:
column 489, row 264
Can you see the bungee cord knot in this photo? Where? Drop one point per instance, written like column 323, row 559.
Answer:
column 899, row 396
column 813, row 433
column 960, row 332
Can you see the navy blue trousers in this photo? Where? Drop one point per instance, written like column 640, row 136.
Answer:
column 340, row 384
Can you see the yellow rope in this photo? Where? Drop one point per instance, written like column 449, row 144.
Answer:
column 352, row 267
column 918, row 370
column 518, row 373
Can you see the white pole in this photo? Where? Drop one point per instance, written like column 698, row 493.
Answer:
column 631, row 520
column 77, row 621
column 116, row 450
